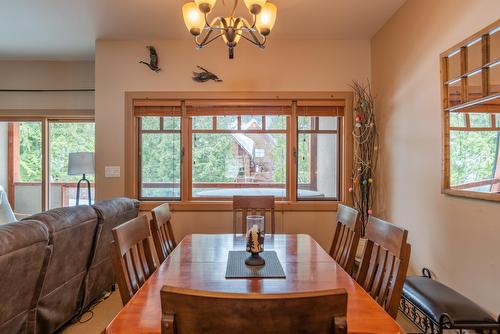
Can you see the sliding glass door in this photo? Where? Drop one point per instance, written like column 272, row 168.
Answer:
column 21, row 166
column 72, row 146
column 41, row 162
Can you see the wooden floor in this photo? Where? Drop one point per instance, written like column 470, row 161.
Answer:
column 105, row 311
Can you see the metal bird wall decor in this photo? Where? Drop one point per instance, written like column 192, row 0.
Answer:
column 153, row 59
column 205, row 75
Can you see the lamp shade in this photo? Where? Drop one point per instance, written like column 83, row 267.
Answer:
column 81, row 163
column 266, row 19
column 255, row 6
column 193, row 18
column 205, row 5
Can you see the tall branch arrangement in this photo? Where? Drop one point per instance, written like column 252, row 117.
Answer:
column 365, row 153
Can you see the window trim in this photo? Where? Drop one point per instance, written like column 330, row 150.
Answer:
column 45, row 116
column 181, row 100
column 466, row 103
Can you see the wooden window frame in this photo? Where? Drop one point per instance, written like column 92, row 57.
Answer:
column 164, row 103
column 313, row 162
column 141, row 131
column 468, row 103
column 44, row 117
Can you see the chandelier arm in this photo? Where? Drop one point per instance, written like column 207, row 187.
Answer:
column 203, row 42
column 207, row 41
column 254, row 41
column 257, row 40
column 235, row 5
column 247, row 25
column 254, row 22
column 211, row 25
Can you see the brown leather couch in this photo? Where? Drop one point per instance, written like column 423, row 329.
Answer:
column 24, row 254
column 77, row 271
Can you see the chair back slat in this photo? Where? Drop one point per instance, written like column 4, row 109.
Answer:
column 132, row 257
column 385, row 263
column 253, row 205
column 346, row 238
column 189, row 311
column 162, row 231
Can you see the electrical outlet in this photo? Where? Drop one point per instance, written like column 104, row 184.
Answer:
column 112, row 171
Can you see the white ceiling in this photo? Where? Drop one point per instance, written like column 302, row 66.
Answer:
column 67, row 29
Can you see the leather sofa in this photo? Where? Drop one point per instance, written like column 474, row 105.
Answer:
column 24, row 255
column 74, row 270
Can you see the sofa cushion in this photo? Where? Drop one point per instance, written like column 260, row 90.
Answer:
column 71, row 231
column 24, row 254
column 110, row 213
column 436, row 299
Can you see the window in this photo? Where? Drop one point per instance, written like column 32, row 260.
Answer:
column 34, row 178
column 66, row 138
column 471, row 107
column 212, row 150
column 160, row 153
column 239, row 155
column 21, row 165
column 318, row 158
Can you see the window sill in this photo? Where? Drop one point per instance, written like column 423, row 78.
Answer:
column 473, row 194
column 228, row 206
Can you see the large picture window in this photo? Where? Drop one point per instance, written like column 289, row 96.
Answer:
column 239, row 155
column 471, row 109
column 209, row 150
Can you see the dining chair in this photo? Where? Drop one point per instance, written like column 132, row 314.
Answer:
column 253, row 205
column 132, row 257
column 384, row 264
column 161, row 229
column 346, row 238
column 191, row 311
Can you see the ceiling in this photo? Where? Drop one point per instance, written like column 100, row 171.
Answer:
column 67, row 29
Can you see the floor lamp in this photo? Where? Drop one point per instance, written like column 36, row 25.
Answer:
column 81, row 163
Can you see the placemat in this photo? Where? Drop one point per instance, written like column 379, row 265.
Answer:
column 236, row 267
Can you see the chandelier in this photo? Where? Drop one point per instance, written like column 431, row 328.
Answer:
column 231, row 28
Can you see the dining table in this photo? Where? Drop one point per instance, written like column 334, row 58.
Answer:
column 199, row 263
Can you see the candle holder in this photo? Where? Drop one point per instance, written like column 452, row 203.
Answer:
column 255, row 240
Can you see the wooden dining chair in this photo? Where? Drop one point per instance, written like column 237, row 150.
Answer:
column 161, row 229
column 385, row 263
column 190, row 311
column 253, row 205
column 132, row 257
column 346, row 238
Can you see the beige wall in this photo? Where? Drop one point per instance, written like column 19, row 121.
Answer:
column 457, row 238
column 46, row 75
column 283, row 66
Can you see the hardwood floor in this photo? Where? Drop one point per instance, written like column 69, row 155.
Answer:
column 102, row 315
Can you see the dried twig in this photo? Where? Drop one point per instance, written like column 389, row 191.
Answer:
column 365, row 153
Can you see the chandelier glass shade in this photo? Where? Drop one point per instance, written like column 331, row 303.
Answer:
column 231, row 28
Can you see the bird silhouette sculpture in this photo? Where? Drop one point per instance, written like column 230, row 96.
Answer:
column 153, row 59
column 205, row 75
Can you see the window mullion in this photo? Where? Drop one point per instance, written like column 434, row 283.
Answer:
column 45, row 165
column 186, row 150
column 292, row 167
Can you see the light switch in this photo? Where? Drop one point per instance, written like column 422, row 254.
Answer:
column 112, row 171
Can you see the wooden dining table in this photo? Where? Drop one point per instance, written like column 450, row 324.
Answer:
column 199, row 263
